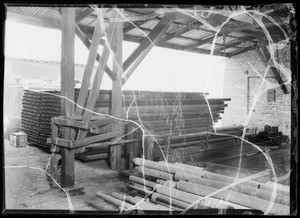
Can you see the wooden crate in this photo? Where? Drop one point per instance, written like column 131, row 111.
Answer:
column 18, row 139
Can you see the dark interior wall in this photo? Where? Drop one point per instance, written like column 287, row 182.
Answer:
column 242, row 83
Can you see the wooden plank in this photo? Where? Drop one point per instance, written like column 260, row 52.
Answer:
column 106, row 144
column 66, row 143
column 101, row 122
column 79, row 143
column 130, row 147
column 54, row 130
column 146, row 45
column 178, row 32
column 102, row 129
column 93, row 118
column 55, row 157
column 93, row 51
column 116, row 161
column 98, row 138
column 67, row 168
column 71, row 123
column 200, row 42
column 67, row 90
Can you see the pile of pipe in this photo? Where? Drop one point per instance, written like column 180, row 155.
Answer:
column 38, row 109
column 173, row 113
column 180, row 187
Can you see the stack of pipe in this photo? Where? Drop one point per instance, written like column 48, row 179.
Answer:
column 38, row 108
column 220, row 134
column 165, row 113
column 187, row 184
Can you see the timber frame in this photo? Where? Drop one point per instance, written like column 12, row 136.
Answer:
column 149, row 26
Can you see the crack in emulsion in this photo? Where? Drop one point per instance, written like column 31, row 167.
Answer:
column 198, row 13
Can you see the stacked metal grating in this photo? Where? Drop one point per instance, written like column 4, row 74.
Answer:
column 38, row 108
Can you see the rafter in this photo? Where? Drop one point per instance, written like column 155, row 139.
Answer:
column 181, row 30
column 84, row 13
column 131, row 26
column 199, row 42
column 172, row 46
column 243, row 50
column 232, row 43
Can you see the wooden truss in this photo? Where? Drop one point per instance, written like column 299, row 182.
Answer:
column 79, row 126
column 76, row 123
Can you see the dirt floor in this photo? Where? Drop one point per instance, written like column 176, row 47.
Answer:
column 27, row 186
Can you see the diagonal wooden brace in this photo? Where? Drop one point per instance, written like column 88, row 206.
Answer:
column 146, row 45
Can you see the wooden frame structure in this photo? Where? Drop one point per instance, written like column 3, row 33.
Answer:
column 158, row 26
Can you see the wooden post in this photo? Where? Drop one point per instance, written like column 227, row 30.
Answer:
column 67, row 90
column 116, row 108
column 55, row 157
column 149, row 147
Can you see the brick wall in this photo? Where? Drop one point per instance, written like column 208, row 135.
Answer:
column 241, row 83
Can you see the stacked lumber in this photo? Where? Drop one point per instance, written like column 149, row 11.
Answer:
column 184, row 186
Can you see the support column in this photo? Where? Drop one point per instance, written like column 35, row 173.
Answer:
column 116, row 109
column 67, row 90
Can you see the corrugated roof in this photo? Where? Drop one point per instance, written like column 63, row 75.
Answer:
column 193, row 33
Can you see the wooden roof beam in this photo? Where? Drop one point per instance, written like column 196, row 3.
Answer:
column 84, row 13
column 172, row 46
column 181, row 30
column 245, row 27
column 133, row 25
column 232, row 43
column 146, row 45
column 243, row 50
column 200, row 42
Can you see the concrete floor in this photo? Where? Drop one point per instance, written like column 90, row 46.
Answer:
column 27, row 186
